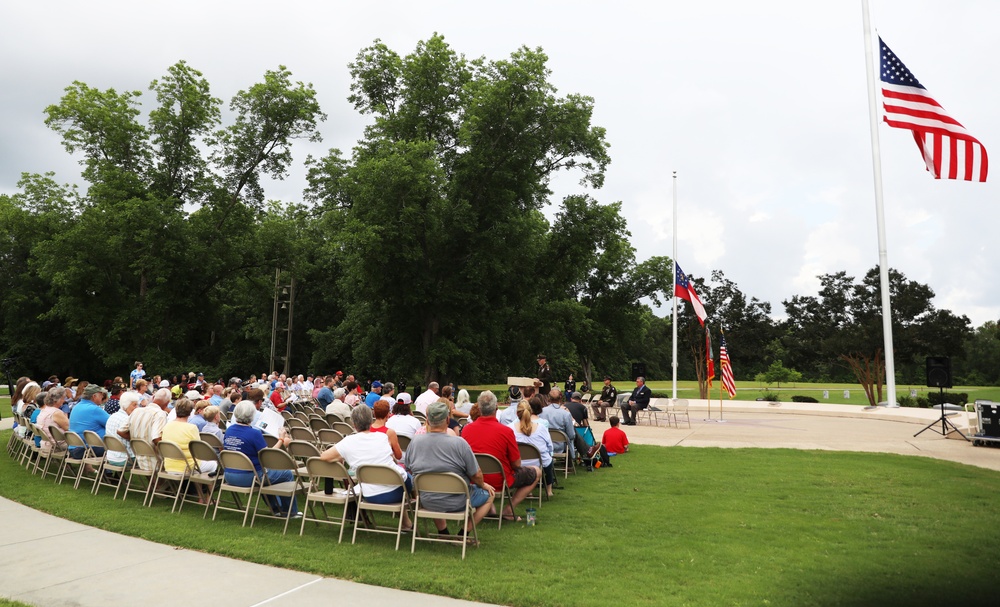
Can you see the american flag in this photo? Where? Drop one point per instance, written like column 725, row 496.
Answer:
column 685, row 290
column 728, row 381
column 949, row 150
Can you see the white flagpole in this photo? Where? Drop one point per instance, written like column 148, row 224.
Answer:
column 673, row 364
column 883, row 256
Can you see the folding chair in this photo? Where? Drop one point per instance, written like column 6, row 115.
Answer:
column 330, row 437
column 30, row 451
column 381, row 475
column 172, row 452
column 332, row 418
column 276, row 459
column 301, row 451
column 142, row 448
column 96, row 462
column 202, row 452
column 558, row 436
column 234, row 460
column 321, row 473
column 586, row 398
column 303, row 434
column 677, row 409
column 404, row 442
column 344, row 428
column 449, row 483
column 112, row 444
column 489, row 464
column 317, row 423
column 296, row 422
column 270, row 440
column 72, row 439
column 656, row 406
column 420, row 415
column 212, row 440
column 53, row 454
column 531, row 452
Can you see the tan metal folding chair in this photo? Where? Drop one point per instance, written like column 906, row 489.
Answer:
column 169, row 451
column 677, row 409
column 489, row 464
column 531, row 452
column 320, row 473
column 276, row 459
column 330, row 437
column 344, row 428
column 450, row 483
column 203, row 452
column 72, row 439
column 404, row 442
column 234, row 460
column 558, row 436
column 112, row 444
column 142, row 448
column 212, row 440
column 381, row 475
column 91, row 459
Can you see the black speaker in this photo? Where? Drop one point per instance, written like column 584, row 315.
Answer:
column 638, row 370
column 938, row 372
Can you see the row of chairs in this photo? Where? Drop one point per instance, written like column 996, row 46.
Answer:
column 311, row 476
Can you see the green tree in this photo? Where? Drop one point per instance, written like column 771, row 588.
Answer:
column 441, row 203
column 777, row 373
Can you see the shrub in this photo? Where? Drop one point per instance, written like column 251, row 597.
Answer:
column 803, row 399
column 955, row 398
column 771, row 396
column 907, row 401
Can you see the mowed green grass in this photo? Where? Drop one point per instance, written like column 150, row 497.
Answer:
column 664, row 526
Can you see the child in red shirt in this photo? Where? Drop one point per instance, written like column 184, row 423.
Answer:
column 614, row 439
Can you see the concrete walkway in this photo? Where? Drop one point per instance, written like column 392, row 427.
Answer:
column 32, row 541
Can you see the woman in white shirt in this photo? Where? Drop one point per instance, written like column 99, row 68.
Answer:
column 528, row 430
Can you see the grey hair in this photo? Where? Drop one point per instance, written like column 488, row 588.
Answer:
column 487, row 402
column 361, row 417
column 433, row 385
column 641, row 378
column 162, row 395
column 244, row 412
column 339, row 393
column 54, row 394
column 388, row 387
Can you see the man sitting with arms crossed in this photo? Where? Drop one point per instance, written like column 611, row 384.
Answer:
column 437, row 451
column 489, row 436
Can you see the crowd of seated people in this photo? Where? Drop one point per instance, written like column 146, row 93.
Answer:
column 182, row 408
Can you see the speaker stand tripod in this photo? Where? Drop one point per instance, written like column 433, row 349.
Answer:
column 946, row 426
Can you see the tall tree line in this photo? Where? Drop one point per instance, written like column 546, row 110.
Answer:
column 422, row 254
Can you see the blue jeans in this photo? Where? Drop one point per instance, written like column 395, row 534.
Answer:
column 243, row 478
column 77, row 452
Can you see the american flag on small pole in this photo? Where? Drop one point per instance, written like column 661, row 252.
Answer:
column 728, row 380
column 948, row 150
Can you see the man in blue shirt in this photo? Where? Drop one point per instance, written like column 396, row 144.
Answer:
column 325, row 394
column 89, row 414
column 374, row 395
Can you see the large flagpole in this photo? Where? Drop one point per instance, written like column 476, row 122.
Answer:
column 673, row 296
column 883, row 255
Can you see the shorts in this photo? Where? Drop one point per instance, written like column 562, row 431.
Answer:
column 524, row 476
column 477, row 496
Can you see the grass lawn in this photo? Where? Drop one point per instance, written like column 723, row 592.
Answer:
column 664, row 526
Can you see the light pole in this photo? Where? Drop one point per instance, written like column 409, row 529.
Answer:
column 284, row 301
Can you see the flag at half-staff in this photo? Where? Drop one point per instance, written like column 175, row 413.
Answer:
column 728, row 379
column 685, row 290
column 949, row 151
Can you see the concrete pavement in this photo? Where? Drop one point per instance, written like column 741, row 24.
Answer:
column 33, row 542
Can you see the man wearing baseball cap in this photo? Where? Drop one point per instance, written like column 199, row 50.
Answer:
column 89, row 414
column 375, row 394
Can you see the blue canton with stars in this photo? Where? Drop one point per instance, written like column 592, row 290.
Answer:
column 893, row 70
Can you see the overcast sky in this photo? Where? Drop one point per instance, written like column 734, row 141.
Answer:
column 760, row 107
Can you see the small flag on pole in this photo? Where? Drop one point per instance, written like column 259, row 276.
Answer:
column 728, row 380
column 949, row 151
column 709, row 359
column 684, row 290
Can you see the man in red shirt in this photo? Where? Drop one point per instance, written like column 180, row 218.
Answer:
column 487, row 435
column 614, row 439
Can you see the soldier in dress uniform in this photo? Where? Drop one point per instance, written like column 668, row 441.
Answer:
column 608, row 399
column 544, row 375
